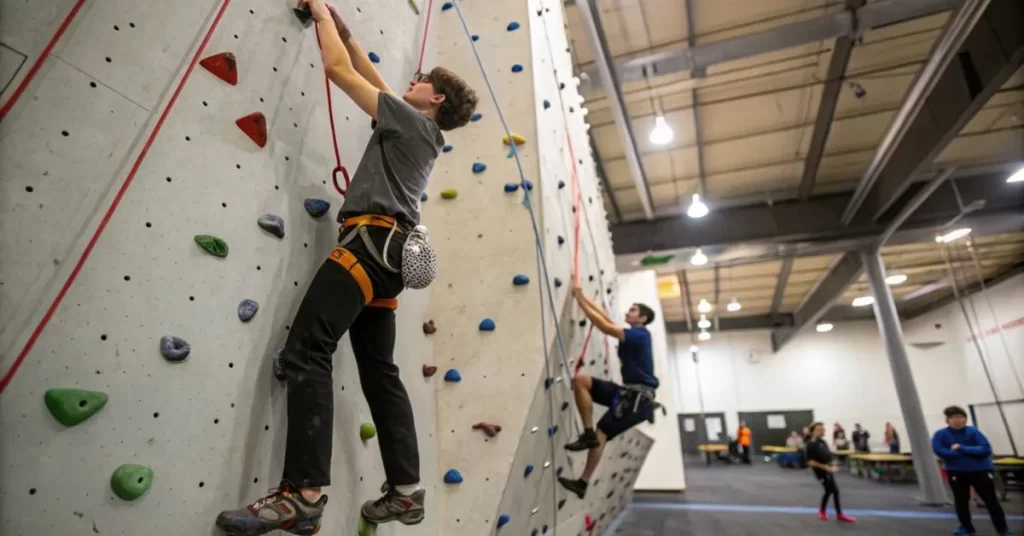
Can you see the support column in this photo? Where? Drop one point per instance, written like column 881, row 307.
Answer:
column 933, row 492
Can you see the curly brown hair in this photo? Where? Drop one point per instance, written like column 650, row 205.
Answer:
column 459, row 99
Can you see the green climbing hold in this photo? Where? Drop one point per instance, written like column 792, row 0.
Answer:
column 449, row 193
column 72, row 406
column 366, row 528
column 212, row 245
column 130, row 481
column 367, row 431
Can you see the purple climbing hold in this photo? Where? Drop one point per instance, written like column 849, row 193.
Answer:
column 374, row 57
column 520, row 280
column 423, row 197
column 453, row 476
column 174, row 348
column 487, row 325
column 452, row 376
column 447, row 149
column 512, row 26
column 446, row 6
column 272, row 224
column 479, row 167
column 247, row 309
column 475, row 117
column 517, row 68
column 316, row 207
column 511, row 187
column 279, row 363
column 547, row 104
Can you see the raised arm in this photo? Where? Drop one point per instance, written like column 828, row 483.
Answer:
column 338, row 64
column 360, row 60
column 595, row 315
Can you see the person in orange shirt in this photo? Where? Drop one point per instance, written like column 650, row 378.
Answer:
column 743, row 441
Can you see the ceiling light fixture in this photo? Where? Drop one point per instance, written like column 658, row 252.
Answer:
column 1018, row 176
column 699, row 259
column 824, row 327
column 704, row 306
column 662, row 133
column 896, row 279
column 734, row 305
column 697, row 208
column 863, row 301
column 704, row 335
column 704, row 323
column 953, row 235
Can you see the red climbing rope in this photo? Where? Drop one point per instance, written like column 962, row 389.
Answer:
column 334, row 135
column 426, row 32
column 576, row 208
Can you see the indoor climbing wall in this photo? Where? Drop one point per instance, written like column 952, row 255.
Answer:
column 509, row 338
column 164, row 208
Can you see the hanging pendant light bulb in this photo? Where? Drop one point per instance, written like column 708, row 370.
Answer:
column 662, row 133
column 704, row 306
column 704, row 335
column 699, row 259
column 734, row 306
column 704, row 323
column 697, row 208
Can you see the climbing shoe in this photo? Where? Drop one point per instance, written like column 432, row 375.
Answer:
column 843, row 518
column 587, row 440
column 393, row 506
column 579, row 487
column 822, row 515
column 282, row 509
column 963, row 531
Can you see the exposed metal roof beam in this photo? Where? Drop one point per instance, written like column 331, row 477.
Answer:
column 980, row 49
column 832, row 26
column 827, row 106
column 603, row 175
column 698, row 133
column 734, row 323
column 780, row 284
column 826, row 291
column 607, row 72
column 964, row 292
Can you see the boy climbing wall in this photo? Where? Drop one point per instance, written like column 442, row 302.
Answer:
column 355, row 291
column 629, row 404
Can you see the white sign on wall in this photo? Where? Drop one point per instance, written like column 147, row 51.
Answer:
column 777, row 422
column 689, row 425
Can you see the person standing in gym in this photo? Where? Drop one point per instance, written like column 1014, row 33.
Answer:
column 819, row 457
column 968, row 457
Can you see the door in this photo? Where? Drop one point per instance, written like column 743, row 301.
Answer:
column 773, row 427
column 695, row 429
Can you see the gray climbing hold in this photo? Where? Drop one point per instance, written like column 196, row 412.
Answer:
column 272, row 224
column 279, row 364
column 316, row 207
column 247, row 309
column 174, row 348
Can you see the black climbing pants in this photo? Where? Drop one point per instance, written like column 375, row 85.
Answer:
column 828, row 482
column 984, row 486
column 335, row 303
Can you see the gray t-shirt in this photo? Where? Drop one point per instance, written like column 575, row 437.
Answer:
column 411, row 142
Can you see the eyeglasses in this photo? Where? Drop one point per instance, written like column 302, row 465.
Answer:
column 420, row 78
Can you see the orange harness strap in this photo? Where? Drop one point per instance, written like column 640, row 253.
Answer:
column 374, row 220
column 348, row 261
column 384, row 303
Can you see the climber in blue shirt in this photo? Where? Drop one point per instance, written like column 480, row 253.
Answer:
column 628, row 404
column 968, row 458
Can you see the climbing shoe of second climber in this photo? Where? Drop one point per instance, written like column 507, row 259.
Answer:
column 393, row 506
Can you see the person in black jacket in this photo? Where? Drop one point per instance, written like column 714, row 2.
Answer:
column 860, row 439
column 819, row 457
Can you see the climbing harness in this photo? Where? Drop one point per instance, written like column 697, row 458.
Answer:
column 419, row 262
column 629, row 398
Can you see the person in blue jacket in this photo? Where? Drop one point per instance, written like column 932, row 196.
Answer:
column 968, row 458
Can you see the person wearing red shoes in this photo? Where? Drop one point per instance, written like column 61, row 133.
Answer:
column 819, row 457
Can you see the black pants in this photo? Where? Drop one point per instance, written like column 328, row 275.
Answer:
column 744, row 453
column 984, row 486
column 828, row 482
column 334, row 304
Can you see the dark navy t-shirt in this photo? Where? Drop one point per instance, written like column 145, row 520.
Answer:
column 637, row 357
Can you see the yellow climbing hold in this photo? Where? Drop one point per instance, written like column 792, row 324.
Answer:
column 515, row 137
column 449, row 193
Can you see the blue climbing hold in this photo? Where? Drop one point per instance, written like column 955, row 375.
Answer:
column 511, row 187
column 446, row 6
column 452, row 376
column 558, row 282
column 553, row 430
column 475, row 37
column 374, row 57
column 447, row 149
column 528, row 185
column 423, row 197
column 502, row 519
column 479, row 167
column 561, row 184
column 534, row 532
column 247, row 309
column 174, row 348
column 545, row 531
column 272, row 224
column 520, row 280
column 487, row 325
column 316, row 207
column 512, row 26
column 517, row 68
column 475, row 117
column 527, row 471
column 453, row 477
column 558, row 472
column 548, row 382
column 547, row 104
column 561, row 240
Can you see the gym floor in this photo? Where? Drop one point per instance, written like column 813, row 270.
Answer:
column 766, row 500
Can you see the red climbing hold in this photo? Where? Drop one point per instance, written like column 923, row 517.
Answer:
column 429, row 370
column 255, row 126
column 222, row 66
column 429, row 328
column 588, row 523
column 490, row 429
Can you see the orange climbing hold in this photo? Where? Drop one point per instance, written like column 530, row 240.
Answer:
column 255, row 126
column 222, row 66
column 490, row 429
column 429, row 370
